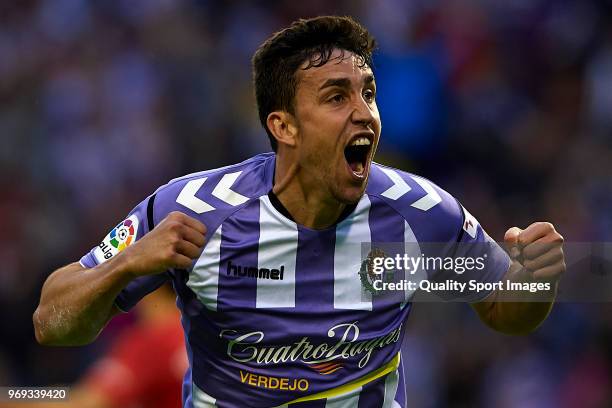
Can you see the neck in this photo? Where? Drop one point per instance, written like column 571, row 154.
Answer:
column 303, row 197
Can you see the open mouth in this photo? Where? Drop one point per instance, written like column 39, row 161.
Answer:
column 357, row 153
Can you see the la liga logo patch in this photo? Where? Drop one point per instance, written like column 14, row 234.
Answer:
column 122, row 236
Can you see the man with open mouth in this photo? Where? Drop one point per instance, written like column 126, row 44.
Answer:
column 273, row 259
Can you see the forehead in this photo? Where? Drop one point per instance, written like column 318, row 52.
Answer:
column 341, row 64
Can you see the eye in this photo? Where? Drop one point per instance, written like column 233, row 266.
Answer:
column 369, row 95
column 337, row 98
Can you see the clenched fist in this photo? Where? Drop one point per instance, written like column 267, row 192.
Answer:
column 539, row 249
column 173, row 243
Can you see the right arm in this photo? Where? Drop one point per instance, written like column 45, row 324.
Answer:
column 77, row 302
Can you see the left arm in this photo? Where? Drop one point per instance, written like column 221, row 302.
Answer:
column 537, row 256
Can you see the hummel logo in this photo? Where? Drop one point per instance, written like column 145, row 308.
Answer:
column 253, row 272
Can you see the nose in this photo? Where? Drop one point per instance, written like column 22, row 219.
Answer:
column 362, row 112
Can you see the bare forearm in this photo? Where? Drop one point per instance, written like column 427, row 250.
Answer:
column 76, row 302
column 514, row 312
column 519, row 317
column 536, row 255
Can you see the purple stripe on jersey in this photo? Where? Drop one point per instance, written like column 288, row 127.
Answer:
column 427, row 225
column 88, row 260
column 139, row 288
column 257, row 178
column 239, row 246
column 222, row 404
column 400, row 395
column 187, row 381
column 387, row 226
column 189, row 306
column 186, row 390
column 315, row 264
column 377, row 181
column 310, row 404
column 373, row 394
column 208, row 373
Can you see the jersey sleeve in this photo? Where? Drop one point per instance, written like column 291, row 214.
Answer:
column 474, row 258
column 137, row 223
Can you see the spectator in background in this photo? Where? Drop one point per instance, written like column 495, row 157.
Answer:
column 144, row 366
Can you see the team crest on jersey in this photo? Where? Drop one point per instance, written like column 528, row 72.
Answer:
column 122, row 236
column 367, row 274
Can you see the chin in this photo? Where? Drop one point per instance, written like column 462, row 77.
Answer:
column 351, row 196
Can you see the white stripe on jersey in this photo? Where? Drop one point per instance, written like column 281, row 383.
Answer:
column 224, row 192
column 204, row 279
column 351, row 233
column 278, row 242
column 201, row 399
column 350, row 400
column 431, row 199
column 399, row 187
column 412, row 249
column 187, row 197
column 390, row 389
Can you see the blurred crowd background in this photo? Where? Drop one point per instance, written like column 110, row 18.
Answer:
column 506, row 104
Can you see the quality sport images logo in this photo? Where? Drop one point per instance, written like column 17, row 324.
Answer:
column 122, row 236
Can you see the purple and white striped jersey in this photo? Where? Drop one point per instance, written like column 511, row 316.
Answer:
column 276, row 314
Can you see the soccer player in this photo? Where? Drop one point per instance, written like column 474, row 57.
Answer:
column 265, row 255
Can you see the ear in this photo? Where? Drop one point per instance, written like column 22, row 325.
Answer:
column 283, row 127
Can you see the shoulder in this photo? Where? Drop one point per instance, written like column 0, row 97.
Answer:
column 417, row 199
column 213, row 195
column 255, row 164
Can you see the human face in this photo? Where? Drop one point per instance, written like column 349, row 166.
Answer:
column 338, row 125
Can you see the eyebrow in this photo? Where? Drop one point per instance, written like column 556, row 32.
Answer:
column 344, row 82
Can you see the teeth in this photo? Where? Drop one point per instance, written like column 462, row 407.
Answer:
column 361, row 141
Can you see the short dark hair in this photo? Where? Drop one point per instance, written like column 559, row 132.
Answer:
column 276, row 61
